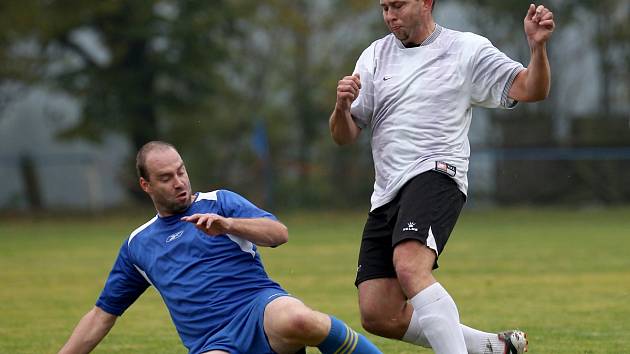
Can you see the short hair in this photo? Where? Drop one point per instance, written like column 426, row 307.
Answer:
column 141, row 156
column 433, row 4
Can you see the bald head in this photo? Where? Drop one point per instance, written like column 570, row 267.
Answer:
column 141, row 157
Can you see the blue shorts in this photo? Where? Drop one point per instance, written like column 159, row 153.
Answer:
column 245, row 333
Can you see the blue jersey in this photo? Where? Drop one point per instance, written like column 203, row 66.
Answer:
column 203, row 280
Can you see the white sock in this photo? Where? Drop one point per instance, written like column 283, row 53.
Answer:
column 414, row 334
column 479, row 342
column 438, row 319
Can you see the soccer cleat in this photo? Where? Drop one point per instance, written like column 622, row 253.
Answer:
column 515, row 341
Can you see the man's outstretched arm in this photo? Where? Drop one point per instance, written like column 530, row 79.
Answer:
column 92, row 328
column 534, row 83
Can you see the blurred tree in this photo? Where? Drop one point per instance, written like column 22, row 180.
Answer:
column 196, row 73
column 145, row 69
column 128, row 61
column 612, row 40
column 287, row 71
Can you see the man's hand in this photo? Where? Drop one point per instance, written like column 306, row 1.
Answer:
column 539, row 25
column 211, row 224
column 260, row 231
column 348, row 91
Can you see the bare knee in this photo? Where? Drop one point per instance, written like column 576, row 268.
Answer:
column 413, row 262
column 411, row 276
column 389, row 324
column 384, row 308
column 290, row 325
column 374, row 323
column 301, row 322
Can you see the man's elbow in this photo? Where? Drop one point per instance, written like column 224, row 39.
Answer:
column 283, row 235
column 531, row 95
column 341, row 140
column 545, row 94
column 344, row 138
column 280, row 236
column 537, row 96
column 542, row 93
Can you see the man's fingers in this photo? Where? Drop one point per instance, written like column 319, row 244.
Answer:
column 347, row 89
column 355, row 87
column 540, row 11
column 353, row 81
column 345, row 95
column 357, row 78
column 202, row 222
column 191, row 218
column 535, row 13
column 547, row 16
column 549, row 24
column 530, row 12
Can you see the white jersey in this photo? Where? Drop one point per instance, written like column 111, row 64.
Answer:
column 418, row 104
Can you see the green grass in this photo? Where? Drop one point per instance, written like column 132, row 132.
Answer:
column 562, row 275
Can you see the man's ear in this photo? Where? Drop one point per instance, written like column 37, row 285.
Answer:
column 144, row 184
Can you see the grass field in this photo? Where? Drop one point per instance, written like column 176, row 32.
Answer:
column 561, row 275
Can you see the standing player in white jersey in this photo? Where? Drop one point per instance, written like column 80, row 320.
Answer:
column 199, row 252
column 415, row 89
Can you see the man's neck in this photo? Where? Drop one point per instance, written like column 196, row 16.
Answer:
column 423, row 33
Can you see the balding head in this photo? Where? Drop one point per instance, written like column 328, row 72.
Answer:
column 141, row 157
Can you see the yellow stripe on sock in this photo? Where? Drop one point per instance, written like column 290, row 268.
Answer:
column 345, row 342
column 356, row 341
column 352, row 343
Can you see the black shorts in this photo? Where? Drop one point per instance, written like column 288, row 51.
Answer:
column 425, row 209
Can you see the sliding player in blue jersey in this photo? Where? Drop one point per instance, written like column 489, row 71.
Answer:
column 199, row 252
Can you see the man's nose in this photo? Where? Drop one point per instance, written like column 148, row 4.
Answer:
column 178, row 181
column 390, row 15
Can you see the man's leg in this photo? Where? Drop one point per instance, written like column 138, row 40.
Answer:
column 385, row 312
column 384, row 308
column 291, row 325
column 435, row 319
column 436, row 311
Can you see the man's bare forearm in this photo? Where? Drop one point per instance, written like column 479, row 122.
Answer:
column 260, row 231
column 342, row 127
column 90, row 330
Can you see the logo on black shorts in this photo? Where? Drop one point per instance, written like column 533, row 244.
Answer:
column 411, row 226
